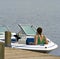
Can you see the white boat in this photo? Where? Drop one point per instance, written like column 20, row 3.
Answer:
column 4, row 28
column 29, row 32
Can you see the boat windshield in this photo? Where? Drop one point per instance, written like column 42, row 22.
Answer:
column 3, row 29
column 28, row 29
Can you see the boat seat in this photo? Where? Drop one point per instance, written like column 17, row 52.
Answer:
column 29, row 41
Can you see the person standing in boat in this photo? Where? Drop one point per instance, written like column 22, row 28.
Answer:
column 39, row 37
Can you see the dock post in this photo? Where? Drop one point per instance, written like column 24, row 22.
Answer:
column 7, row 38
column 1, row 50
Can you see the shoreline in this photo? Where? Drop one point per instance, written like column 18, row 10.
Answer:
column 12, row 53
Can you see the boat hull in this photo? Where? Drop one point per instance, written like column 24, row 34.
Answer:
column 42, row 48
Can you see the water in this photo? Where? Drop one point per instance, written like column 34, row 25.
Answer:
column 44, row 13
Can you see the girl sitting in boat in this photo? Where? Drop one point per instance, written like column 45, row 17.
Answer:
column 39, row 37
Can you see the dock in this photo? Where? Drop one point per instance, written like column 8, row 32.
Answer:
column 13, row 53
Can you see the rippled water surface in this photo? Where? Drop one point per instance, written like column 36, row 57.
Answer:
column 44, row 13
